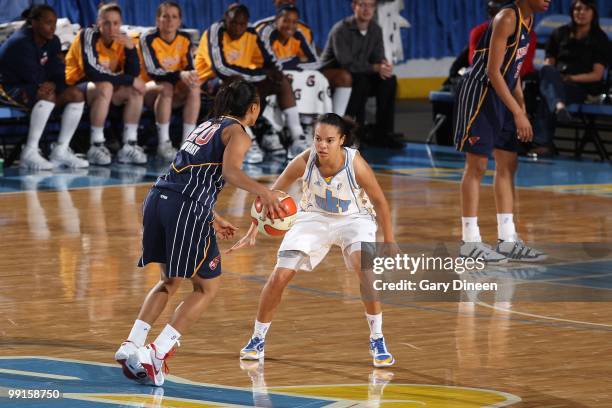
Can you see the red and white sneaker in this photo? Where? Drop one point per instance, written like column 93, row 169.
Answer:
column 154, row 364
column 137, row 373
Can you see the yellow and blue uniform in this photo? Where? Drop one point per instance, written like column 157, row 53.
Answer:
column 164, row 61
column 482, row 121
column 295, row 53
column 220, row 56
column 89, row 59
column 178, row 212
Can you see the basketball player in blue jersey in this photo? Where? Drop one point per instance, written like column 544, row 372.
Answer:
column 335, row 209
column 180, row 226
column 490, row 117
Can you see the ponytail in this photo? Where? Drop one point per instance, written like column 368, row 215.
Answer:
column 235, row 97
column 346, row 126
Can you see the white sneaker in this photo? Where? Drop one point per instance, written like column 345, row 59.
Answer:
column 254, row 155
column 131, row 153
column 154, row 365
column 99, row 155
column 166, row 151
column 32, row 159
column 298, row 146
column 133, row 372
column 271, row 143
column 64, row 156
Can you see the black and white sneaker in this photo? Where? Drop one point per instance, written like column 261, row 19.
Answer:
column 519, row 252
column 475, row 250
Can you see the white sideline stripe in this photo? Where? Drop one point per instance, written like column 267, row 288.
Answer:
column 35, row 374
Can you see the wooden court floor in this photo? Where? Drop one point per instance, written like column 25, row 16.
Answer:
column 70, row 290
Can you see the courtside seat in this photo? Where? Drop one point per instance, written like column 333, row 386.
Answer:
column 591, row 117
column 12, row 132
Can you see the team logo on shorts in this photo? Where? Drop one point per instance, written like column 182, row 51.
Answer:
column 473, row 140
column 213, row 264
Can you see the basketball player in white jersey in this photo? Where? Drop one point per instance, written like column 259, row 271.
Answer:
column 337, row 186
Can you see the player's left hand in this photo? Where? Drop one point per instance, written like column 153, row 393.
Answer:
column 248, row 240
column 224, row 228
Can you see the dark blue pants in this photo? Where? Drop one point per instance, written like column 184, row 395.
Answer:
column 553, row 90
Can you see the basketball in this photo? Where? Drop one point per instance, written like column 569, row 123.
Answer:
column 277, row 227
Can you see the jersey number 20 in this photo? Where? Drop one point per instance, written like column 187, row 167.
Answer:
column 204, row 133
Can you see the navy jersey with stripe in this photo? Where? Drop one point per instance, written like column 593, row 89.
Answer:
column 476, row 96
column 196, row 171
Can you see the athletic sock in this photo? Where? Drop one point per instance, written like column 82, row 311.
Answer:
column 139, row 333
column 97, row 134
column 340, row 100
column 261, row 329
column 130, row 133
column 166, row 340
column 375, row 324
column 292, row 116
column 70, row 121
column 470, row 230
column 506, row 231
column 38, row 120
column 163, row 132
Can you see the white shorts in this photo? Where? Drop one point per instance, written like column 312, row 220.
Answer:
column 314, row 234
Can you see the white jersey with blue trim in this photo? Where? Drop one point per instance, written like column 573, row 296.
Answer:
column 336, row 195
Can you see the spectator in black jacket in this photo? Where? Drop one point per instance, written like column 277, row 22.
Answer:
column 576, row 57
column 32, row 74
column 356, row 44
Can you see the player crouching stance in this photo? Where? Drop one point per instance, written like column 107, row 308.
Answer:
column 180, row 227
column 335, row 210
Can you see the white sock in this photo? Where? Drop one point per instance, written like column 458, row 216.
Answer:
column 375, row 324
column 166, row 340
column 470, row 230
column 340, row 100
column 261, row 329
column 38, row 120
column 139, row 333
column 187, row 129
column 97, row 135
column 70, row 120
column 163, row 132
column 130, row 132
column 292, row 116
column 506, row 231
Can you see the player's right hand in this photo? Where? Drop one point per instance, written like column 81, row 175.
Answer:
column 523, row 127
column 272, row 205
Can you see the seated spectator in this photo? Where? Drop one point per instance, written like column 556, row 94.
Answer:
column 104, row 61
column 32, row 74
column 174, row 82
column 576, row 57
column 294, row 52
column 356, row 45
column 301, row 26
column 228, row 48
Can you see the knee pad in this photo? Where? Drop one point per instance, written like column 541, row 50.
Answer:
column 294, row 260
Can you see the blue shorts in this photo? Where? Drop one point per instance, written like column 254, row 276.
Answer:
column 480, row 128
column 178, row 232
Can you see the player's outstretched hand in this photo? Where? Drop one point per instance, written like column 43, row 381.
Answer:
column 248, row 240
column 224, row 228
column 272, row 205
